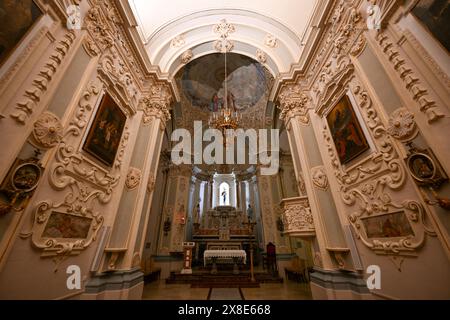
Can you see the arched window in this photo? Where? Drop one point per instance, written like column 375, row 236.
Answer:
column 224, row 194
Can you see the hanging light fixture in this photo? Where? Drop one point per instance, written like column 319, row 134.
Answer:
column 226, row 118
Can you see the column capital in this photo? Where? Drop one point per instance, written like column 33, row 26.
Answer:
column 294, row 102
column 157, row 103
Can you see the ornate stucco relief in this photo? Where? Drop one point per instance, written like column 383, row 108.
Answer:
column 32, row 96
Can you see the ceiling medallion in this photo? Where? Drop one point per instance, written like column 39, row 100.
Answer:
column 224, row 28
column 271, row 41
column 178, row 41
column 186, row 56
column 261, row 56
column 223, row 45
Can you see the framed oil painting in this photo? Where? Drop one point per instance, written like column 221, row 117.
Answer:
column 435, row 16
column 106, row 130
column 390, row 225
column 17, row 17
column 346, row 131
column 66, row 226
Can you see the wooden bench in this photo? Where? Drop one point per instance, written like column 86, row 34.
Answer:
column 151, row 273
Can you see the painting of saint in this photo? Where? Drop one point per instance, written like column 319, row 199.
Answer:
column 388, row 226
column 435, row 15
column 106, row 131
column 421, row 167
column 215, row 103
column 346, row 131
column 61, row 225
column 17, row 17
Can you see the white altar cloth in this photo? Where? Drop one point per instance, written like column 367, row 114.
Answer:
column 224, row 254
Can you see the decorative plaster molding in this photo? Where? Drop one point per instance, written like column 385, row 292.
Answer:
column 23, row 56
column 157, row 104
column 83, row 182
column 56, row 246
column 85, row 105
column 430, row 61
column 386, row 9
column 47, row 130
column 270, row 41
column 412, row 83
column 151, row 183
column 319, row 178
column 261, row 56
column 294, row 102
column 359, row 46
column 375, row 202
column 223, row 45
column 133, row 178
column 96, row 24
column 402, row 125
column 366, row 184
column 117, row 76
column 301, row 184
column 40, row 84
column 224, row 29
column 297, row 217
column 178, row 41
column 186, row 56
column 90, row 47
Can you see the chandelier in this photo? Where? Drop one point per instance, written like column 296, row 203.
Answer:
column 226, row 118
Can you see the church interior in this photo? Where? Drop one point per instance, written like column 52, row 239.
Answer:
column 214, row 150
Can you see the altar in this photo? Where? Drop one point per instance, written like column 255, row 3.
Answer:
column 223, row 230
column 225, row 257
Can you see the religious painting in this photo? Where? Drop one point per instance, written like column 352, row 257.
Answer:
column 106, row 131
column 203, row 81
column 390, row 225
column 26, row 177
column 435, row 16
column 346, row 131
column 17, row 17
column 66, row 226
column 421, row 167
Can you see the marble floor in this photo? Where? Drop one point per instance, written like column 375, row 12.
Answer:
column 288, row 290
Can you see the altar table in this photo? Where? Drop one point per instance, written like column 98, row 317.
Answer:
column 224, row 256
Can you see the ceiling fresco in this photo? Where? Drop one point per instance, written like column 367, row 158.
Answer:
column 201, row 86
column 202, row 82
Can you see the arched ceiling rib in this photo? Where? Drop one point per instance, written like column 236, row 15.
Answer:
column 160, row 22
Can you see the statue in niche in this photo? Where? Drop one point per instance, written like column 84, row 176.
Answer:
column 224, row 197
column 196, row 214
column 250, row 212
column 224, row 194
